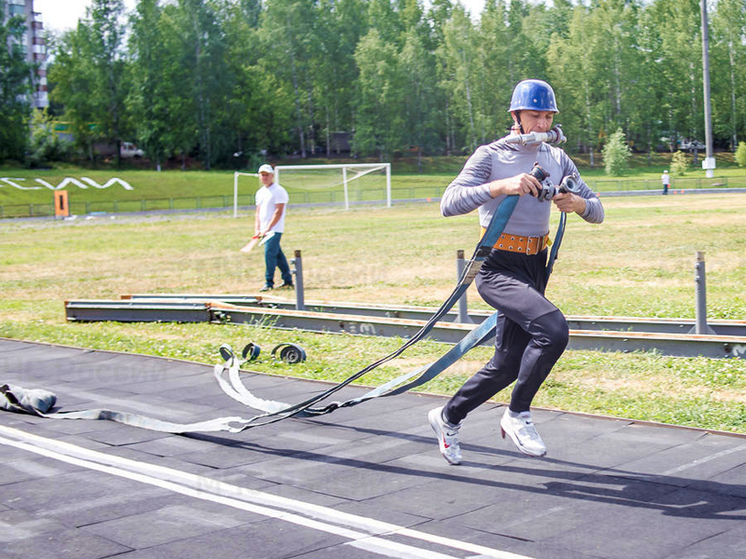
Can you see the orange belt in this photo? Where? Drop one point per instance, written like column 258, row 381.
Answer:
column 517, row 243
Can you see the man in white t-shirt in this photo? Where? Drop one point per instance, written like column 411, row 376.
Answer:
column 666, row 180
column 269, row 223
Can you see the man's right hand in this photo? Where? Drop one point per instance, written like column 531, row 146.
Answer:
column 519, row 184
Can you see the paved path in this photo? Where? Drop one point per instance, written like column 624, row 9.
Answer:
column 360, row 483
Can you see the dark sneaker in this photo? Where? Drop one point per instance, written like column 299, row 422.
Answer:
column 287, row 286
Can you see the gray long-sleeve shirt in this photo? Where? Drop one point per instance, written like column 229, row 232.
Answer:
column 499, row 160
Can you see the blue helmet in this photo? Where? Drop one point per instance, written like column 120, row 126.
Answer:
column 533, row 95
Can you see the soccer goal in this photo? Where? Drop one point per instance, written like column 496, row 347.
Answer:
column 353, row 183
column 235, row 189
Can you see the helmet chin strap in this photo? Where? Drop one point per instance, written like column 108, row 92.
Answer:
column 518, row 121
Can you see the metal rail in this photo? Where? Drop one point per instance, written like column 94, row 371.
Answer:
column 139, row 311
column 267, row 312
column 592, row 323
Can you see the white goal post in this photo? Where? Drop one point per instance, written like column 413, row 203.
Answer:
column 314, row 180
column 235, row 189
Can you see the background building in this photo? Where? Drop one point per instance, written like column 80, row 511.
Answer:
column 33, row 45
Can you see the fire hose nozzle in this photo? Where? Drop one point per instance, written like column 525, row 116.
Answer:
column 554, row 136
column 570, row 183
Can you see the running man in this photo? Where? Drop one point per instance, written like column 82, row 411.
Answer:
column 531, row 332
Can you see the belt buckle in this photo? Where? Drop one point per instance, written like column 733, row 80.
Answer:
column 529, row 240
column 539, row 245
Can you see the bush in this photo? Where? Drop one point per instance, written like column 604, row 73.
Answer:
column 45, row 146
column 741, row 154
column 616, row 153
column 679, row 164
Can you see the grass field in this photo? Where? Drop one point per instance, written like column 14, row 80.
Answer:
column 640, row 262
column 22, row 194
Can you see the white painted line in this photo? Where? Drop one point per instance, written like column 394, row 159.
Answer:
column 371, row 543
column 704, row 460
column 362, row 532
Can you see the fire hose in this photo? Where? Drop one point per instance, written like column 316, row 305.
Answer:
column 273, row 411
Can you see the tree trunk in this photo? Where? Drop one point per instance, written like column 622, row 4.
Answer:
column 590, row 123
column 449, row 147
column 301, row 134
column 734, row 139
column 472, row 139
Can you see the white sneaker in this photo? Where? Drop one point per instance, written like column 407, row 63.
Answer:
column 447, row 436
column 521, row 429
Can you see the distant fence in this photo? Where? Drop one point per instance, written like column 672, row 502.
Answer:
column 677, row 183
column 193, row 203
column 120, row 206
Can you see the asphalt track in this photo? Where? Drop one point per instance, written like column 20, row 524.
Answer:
column 360, row 483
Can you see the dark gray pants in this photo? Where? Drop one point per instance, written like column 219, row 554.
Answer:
column 531, row 334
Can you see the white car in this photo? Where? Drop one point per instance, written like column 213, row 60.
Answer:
column 130, row 150
column 693, row 144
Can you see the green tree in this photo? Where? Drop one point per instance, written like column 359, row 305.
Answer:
column 727, row 72
column 73, row 76
column 260, row 106
column 648, row 98
column 386, row 20
column 208, row 84
column 332, row 69
column 439, row 14
column 350, row 24
column 606, row 69
column 501, row 68
column 290, row 39
column 616, row 154
column 218, row 77
column 507, row 50
column 108, row 59
column 176, row 84
column 151, row 97
column 679, row 164
column 45, row 146
column 680, row 66
column 379, row 124
column 573, row 71
column 616, row 56
column 15, row 88
column 528, row 39
column 461, row 74
column 90, row 77
column 420, row 124
column 418, row 111
column 741, row 154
